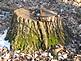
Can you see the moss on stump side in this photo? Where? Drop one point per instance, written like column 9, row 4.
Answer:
column 33, row 34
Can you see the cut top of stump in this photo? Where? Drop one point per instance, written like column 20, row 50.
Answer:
column 23, row 13
column 27, row 14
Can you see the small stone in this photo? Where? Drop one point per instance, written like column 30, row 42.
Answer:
column 65, row 56
column 35, row 55
column 75, row 4
column 50, row 55
column 60, row 58
column 54, row 60
column 44, row 54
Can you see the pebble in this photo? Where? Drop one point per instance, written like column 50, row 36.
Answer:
column 54, row 60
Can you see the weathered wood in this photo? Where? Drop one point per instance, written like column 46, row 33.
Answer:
column 34, row 34
column 22, row 13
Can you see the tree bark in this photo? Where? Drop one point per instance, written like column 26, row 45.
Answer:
column 33, row 34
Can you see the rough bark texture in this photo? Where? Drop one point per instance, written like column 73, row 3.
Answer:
column 30, row 35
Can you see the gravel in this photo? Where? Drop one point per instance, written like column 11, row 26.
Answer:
column 70, row 13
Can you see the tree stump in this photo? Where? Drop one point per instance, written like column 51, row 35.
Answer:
column 30, row 34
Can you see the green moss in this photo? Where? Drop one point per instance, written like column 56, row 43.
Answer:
column 25, row 42
column 19, row 42
column 53, row 41
column 28, row 39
